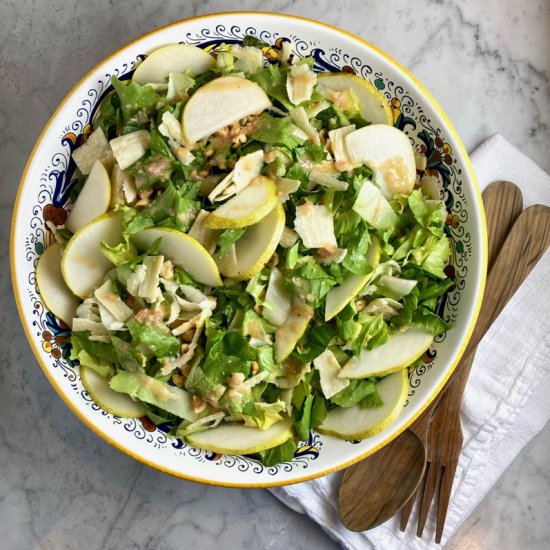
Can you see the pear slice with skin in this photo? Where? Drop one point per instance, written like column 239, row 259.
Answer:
column 355, row 423
column 236, row 439
column 83, row 265
column 338, row 297
column 219, row 103
column 246, row 208
column 400, row 351
column 293, row 328
column 257, row 245
column 183, row 250
column 93, row 200
column 373, row 105
column 53, row 290
column 390, row 155
column 109, row 400
column 174, row 58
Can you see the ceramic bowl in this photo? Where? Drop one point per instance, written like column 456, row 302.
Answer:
column 44, row 192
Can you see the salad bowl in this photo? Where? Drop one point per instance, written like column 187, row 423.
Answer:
column 43, row 200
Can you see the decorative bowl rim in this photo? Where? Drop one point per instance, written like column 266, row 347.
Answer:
column 476, row 306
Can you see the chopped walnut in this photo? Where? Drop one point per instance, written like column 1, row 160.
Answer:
column 167, row 270
column 235, row 379
column 360, row 305
column 254, row 367
column 179, row 380
column 198, row 404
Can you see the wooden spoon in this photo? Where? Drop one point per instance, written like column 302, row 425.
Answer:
column 376, row 488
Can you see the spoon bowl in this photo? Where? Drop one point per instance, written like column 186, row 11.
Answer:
column 361, row 483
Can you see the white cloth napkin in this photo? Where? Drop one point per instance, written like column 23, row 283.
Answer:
column 506, row 401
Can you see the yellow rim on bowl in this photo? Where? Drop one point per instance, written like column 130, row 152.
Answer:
column 475, row 313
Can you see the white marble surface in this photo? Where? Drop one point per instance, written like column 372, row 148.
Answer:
column 60, row 486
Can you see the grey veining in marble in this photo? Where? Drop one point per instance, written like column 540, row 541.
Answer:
column 487, row 63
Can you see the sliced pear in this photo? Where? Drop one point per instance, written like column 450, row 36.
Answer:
column 256, row 246
column 294, row 327
column 109, row 400
column 401, row 350
column 93, row 200
column 356, row 423
column 338, row 297
column 174, row 58
column 372, row 104
column 53, row 290
column 219, row 103
column 83, row 265
column 236, row 439
column 184, row 251
column 246, row 208
column 389, row 153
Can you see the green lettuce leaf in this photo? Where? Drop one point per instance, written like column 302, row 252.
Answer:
column 160, row 343
column 155, row 392
column 228, row 238
column 134, row 97
column 281, row 453
column 277, row 131
column 354, row 393
column 98, row 350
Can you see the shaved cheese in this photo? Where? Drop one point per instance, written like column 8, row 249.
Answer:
column 327, row 180
column 249, row 59
column 335, row 256
column 135, row 279
column 329, row 368
column 124, row 187
column 95, row 327
column 315, row 225
column 300, row 83
column 338, row 146
column 247, row 168
column 96, row 148
column 171, row 127
column 129, row 148
column 299, row 117
column 106, row 296
column 288, row 237
column 108, row 320
column 149, row 287
column 285, row 187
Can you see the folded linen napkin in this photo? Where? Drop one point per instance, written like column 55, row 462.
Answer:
column 506, row 401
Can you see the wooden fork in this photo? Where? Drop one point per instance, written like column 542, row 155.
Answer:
column 524, row 246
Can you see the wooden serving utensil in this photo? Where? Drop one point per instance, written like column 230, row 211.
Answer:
column 522, row 249
column 376, row 488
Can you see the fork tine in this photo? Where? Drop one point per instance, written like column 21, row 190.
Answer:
column 427, row 495
column 444, row 497
column 409, row 505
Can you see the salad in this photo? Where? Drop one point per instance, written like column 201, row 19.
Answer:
column 252, row 253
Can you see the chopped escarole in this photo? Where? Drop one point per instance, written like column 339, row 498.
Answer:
column 250, row 254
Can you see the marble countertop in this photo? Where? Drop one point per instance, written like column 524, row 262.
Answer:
column 60, row 485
